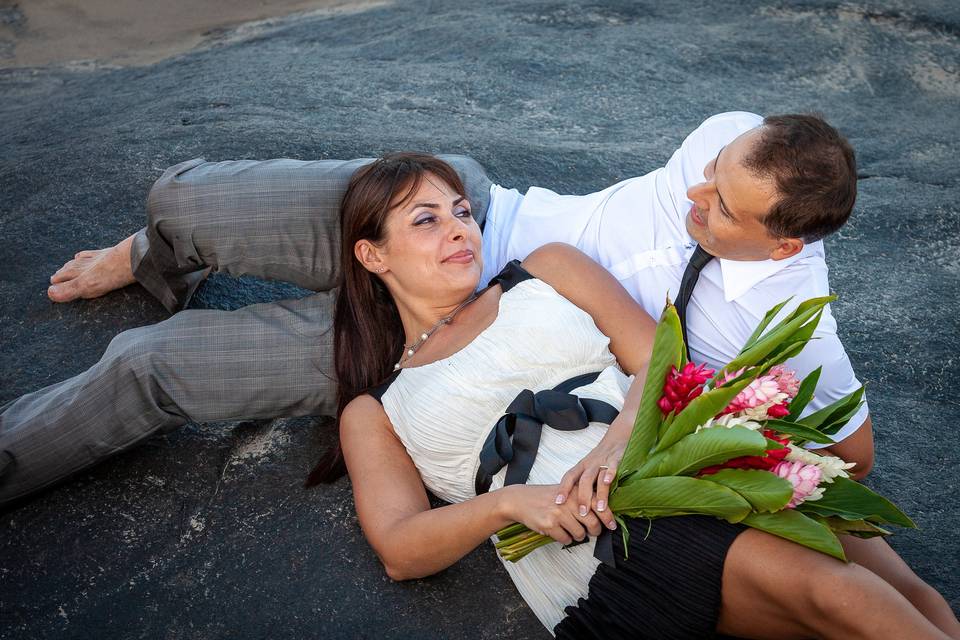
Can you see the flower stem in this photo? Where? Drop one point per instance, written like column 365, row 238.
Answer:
column 514, row 555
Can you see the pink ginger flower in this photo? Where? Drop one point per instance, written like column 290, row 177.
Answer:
column 805, row 479
column 787, row 380
column 766, row 397
column 762, row 391
column 681, row 387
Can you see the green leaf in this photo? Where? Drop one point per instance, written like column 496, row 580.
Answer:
column 702, row 449
column 678, row 495
column 796, row 342
column 846, row 496
column 668, row 350
column 800, row 433
column 811, row 509
column 780, row 334
column 833, row 412
column 856, row 528
column 796, row 527
column 764, row 491
column 702, row 408
column 804, row 394
column 767, row 318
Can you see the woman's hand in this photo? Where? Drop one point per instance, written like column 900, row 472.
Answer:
column 596, row 472
column 535, row 506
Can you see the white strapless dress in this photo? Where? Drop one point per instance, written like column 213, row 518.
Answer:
column 443, row 412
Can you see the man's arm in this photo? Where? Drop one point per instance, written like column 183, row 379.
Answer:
column 854, row 441
column 858, row 447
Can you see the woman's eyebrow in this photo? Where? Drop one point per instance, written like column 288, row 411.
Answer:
column 434, row 205
column 716, row 163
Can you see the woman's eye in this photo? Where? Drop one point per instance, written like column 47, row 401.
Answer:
column 423, row 220
column 464, row 213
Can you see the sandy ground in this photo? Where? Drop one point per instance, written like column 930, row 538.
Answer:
column 134, row 32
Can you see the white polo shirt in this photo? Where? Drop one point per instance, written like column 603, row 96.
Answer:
column 636, row 230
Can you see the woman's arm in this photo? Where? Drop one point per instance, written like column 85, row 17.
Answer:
column 413, row 540
column 586, row 284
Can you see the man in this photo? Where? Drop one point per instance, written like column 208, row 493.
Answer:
column 758, row 197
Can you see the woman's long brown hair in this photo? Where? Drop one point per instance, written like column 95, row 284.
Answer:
column 368, row 334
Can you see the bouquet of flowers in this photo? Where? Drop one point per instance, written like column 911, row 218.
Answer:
column 730, row 444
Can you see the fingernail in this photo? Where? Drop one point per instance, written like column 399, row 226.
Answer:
column 583, row 510
column 601, row 505
column 607, row 479
column 560, row 499
column 612, row 525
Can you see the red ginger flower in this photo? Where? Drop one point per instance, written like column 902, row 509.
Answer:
column 766, row 462
column 681, row 387
column 778, row 410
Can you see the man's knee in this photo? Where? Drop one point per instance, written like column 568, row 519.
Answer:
column 138, row 354
column 165, row 202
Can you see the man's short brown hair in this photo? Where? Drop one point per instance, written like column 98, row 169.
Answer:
column 814, row 170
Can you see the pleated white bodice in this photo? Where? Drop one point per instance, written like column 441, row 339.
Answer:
column 443, row 412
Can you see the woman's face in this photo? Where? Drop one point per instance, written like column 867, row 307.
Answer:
column 433, row 245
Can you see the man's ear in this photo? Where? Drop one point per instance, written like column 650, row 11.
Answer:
column 786, row 247
column 368, row 254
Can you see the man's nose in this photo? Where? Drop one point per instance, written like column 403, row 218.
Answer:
column 698, row 191
column 701, row 191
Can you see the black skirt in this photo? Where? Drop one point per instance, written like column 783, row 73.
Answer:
column 667, row 588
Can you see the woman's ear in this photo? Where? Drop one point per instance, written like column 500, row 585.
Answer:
column 369, row 255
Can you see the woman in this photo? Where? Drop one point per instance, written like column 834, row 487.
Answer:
column 411, row 265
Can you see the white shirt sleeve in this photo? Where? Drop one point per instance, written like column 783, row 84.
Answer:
column 837, row 378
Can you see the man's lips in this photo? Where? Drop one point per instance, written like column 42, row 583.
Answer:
column 460, row 257
column 695, row 215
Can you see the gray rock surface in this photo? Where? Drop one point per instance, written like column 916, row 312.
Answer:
column 206, row 532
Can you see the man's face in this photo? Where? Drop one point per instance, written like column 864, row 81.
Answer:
column 730, row 203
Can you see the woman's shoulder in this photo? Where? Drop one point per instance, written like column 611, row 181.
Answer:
column 363, row 409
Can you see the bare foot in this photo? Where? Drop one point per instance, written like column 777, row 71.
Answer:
column 93, row 273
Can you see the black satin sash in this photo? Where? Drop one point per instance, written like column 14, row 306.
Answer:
column 514, row 440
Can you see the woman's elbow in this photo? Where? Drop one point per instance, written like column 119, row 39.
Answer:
column 400, row 569
column 395, row 573
column 401, row 573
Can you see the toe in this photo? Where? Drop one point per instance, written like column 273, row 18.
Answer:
column 63, row 274
column 62, row 292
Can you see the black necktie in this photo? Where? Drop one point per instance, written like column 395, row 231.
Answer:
column 691, row 274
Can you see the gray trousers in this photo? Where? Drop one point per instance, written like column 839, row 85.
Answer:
column 275, row 219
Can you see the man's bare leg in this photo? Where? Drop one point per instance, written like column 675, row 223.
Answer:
column 877, row 556
column 92, row 274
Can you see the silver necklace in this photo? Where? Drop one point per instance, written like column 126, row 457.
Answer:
column 412, row 349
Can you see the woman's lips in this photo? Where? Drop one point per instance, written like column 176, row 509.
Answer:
column 460, row 257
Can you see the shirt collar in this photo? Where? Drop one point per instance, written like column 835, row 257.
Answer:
column 739, row 276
